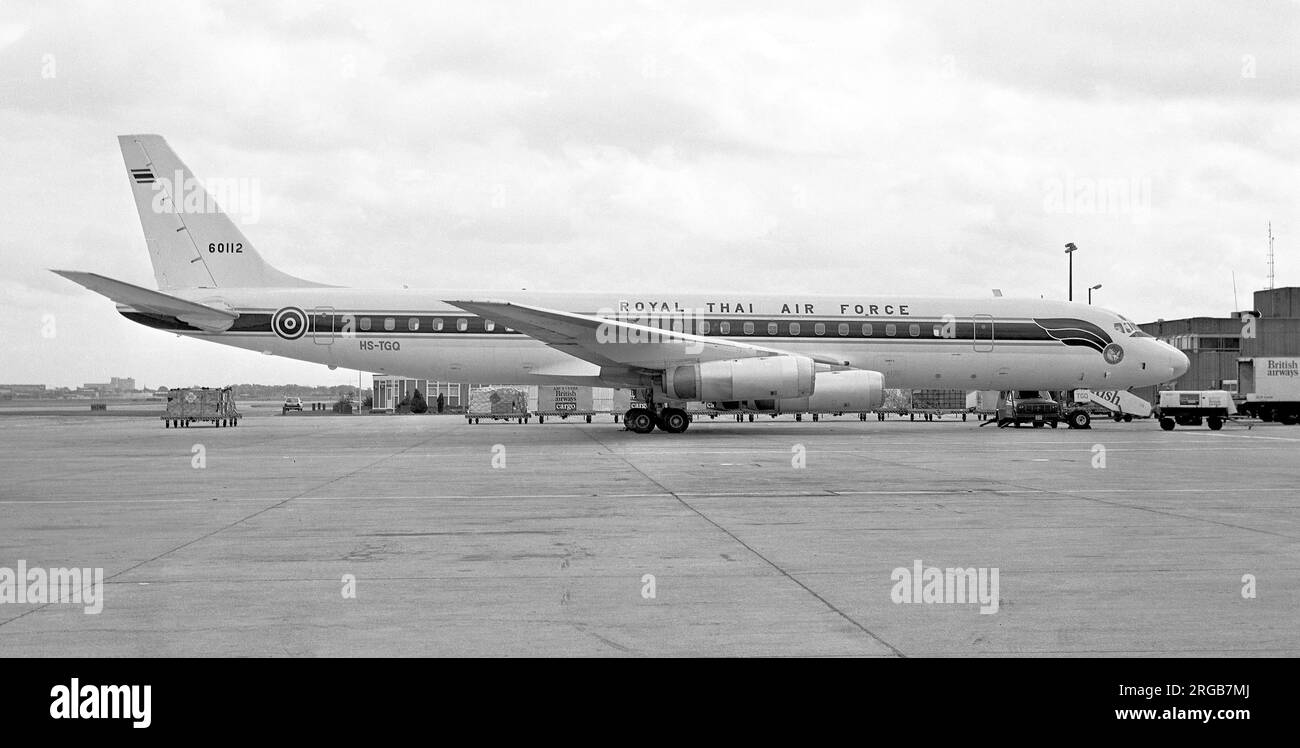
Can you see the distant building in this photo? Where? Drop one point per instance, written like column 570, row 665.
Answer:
column 389, row 391
column 21, row 391
column 114, row 386
column 1213, row 344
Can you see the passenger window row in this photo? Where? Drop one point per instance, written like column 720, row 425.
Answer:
column 414, row 324
column 819, row 328
column 842, row 329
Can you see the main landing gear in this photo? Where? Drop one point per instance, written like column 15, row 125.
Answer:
column 644, row 420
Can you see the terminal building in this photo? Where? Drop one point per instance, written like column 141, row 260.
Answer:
column 1213, row 344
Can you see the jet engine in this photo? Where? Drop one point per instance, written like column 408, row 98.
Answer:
column 848, row 391
column 768, row 377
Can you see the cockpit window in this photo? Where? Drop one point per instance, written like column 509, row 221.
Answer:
column 1126, row 327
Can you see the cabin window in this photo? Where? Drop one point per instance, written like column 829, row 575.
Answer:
column 365, row 323
column 819, row 329
column 794, row 328
column 771, row 328
column 724, row 328
column 389, row 323
column 413, row 324
column 866, row 330
column 704, row 327
column 462, row 324
column 914, row 330
column 489, row 325
column 749, row 328
column 843, row 329
column 437, row 324
column 891, row 329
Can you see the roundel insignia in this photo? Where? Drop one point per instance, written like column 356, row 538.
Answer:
column 289, row 323
column 1113, row 353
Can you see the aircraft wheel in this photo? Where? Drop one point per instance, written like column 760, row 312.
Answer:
column 639, row 420
column 674, row 420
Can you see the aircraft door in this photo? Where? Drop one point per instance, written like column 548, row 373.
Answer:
column 322, row 325
column 983, row 334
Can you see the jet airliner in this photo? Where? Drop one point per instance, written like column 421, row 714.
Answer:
column 739, row 351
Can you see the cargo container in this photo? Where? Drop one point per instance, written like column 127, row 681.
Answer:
column 611, row 401
column 1269, row 389
column 934, row 403
column 498, row 404
column 188, row 405
column 563, row 401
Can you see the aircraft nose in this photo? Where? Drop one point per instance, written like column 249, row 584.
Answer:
column 1179, row 362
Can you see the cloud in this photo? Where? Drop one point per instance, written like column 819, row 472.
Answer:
column 932, row 148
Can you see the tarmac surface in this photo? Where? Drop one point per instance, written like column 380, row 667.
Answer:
column 766, row 538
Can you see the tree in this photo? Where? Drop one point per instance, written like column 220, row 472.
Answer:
column 418, row 405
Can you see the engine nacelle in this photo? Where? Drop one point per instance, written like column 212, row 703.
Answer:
column 849, row 391
column 769, row 377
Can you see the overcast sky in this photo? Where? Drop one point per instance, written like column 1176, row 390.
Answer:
column 865, row 148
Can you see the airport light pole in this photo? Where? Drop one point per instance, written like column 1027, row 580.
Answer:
column 1090, row 290
column 1070, row 249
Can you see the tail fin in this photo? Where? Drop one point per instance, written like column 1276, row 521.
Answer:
column 192, row 243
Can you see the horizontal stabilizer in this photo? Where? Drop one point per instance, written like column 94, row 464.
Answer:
column 144, row 300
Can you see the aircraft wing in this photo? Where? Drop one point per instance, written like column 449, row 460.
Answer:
column 153, row 302
column 614, row 342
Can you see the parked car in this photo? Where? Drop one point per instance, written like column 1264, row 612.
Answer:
column 1028, row 406
column 292, row 403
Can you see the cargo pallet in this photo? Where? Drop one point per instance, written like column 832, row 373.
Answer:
column 518, row 417
column 188, row 406
column 498, row 404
